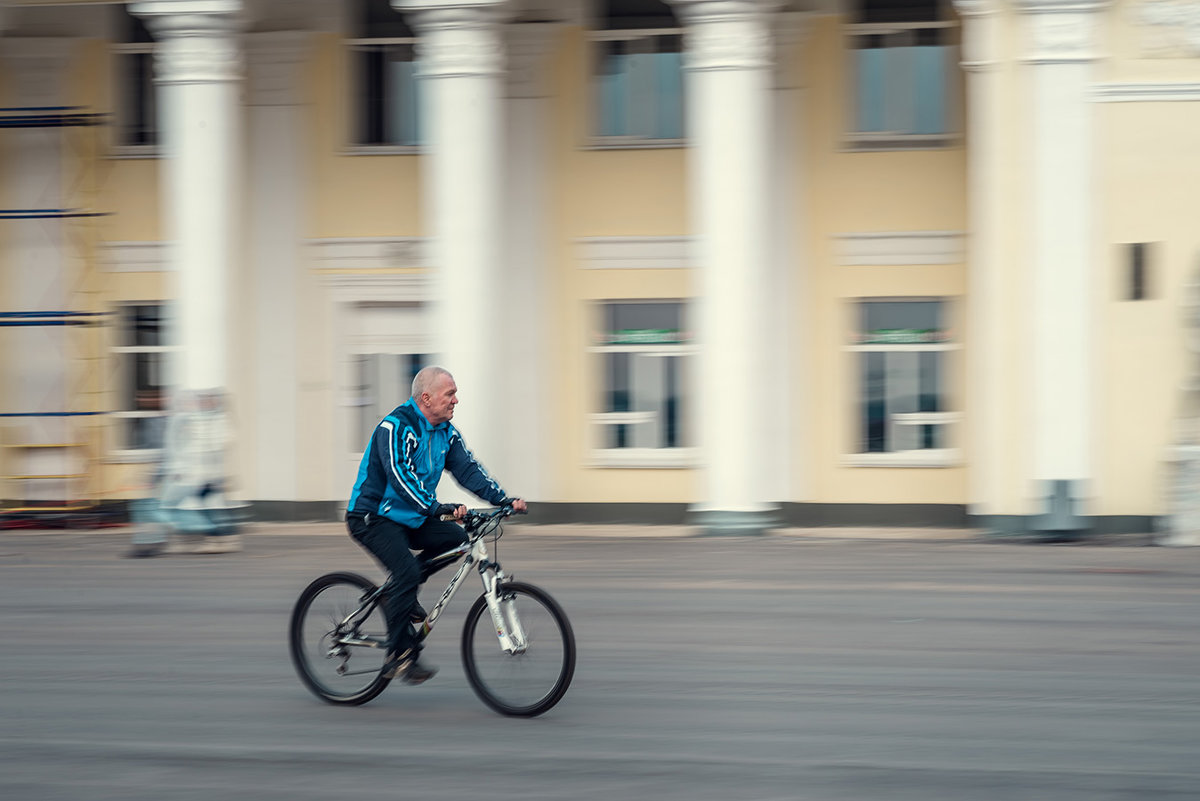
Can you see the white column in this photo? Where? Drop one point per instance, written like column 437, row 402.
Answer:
column 729, row 80
column 987, row 436
column 523, row 457
column 198, row 73
column 461, row 64
column 1063, row 34
column 787, row 475
column 275, row 215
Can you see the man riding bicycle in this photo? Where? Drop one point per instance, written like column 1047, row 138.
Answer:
column 394, row 510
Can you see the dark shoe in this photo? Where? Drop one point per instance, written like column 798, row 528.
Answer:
column 405, row 666
column 418, row 614
column 418, row 673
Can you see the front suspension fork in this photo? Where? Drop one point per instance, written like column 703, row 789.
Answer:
column 503, row 610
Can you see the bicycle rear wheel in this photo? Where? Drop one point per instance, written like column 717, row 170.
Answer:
column 520, row 684
column 339, row 657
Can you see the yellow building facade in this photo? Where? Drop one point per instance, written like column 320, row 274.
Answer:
column 737, row 263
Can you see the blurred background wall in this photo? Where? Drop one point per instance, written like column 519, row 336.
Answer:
column 899, row 262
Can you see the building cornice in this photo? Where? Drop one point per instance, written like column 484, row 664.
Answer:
column 1170, row 28
column 1056, row 6
column 1145, row 92
column 527, row 45
column 1062, row 31
column 274, row 61
column 634, row 252
column 353, row 254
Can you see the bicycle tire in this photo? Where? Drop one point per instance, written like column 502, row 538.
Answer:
column 323, row 603
column 526, row 684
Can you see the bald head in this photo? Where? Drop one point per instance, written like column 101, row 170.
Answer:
column 425, row 379
column 435, row 394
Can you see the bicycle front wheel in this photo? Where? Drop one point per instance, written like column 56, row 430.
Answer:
column 337, row 643
column 532, row 681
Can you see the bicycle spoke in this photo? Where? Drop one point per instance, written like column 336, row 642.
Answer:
column 329, row 640
column 531, row 681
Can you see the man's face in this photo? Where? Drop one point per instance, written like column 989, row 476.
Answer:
column 440, row 400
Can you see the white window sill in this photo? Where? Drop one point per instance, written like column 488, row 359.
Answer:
column 134, row 152
column 135, row 456
column 932, row 457
column 872, row 142
column 631, row 143
column 644, row 458
column 926, row 418
column 382, row 150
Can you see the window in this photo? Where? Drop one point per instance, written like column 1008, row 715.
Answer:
column 384, row 382
column 638, row 74
column 902, row 62
column 901, row 351
column 137, row 109
column 383, row 62
column 643, row 355
column 143, row 386
column 1139, row 280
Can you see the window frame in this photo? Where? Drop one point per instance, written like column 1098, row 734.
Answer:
column 853, row 139
column 124, row 357
column 596, row 141
column 684, row 456
column 122, row 102
column 364, row 395
column 354, row 114
column 948, row 456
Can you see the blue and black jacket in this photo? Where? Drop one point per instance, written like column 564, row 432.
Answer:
column 403, row 462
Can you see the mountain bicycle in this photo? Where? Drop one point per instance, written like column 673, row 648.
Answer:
column 518, row 649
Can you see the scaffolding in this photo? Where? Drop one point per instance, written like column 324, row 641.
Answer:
column 51, row 388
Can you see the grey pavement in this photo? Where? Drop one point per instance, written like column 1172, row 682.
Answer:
column 792, row 666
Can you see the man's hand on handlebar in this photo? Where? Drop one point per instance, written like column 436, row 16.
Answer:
column 451, row 510
column 518, row 505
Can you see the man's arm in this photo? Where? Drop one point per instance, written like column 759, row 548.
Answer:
column 470, row 474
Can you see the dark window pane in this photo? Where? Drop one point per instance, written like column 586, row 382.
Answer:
column 649, row 321
column 1138, row 253
column 379, row 20
column 145, row 432
column 387, row 95
column 144, row 326
column 899, row 11
column 371, row 98
column 901, row 322
column 619, row 396
column 930, row 398
column 636, row 14
column 671, row 425
column 138, row 119
column 874, row 416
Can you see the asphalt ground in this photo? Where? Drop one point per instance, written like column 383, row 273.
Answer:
column 800, row 665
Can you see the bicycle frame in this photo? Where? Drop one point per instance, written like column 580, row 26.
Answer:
column 472, row 552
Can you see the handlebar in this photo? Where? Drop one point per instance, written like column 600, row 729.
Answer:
column 477, row 518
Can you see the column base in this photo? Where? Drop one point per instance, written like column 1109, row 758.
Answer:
column 1061, row 522
column 721, row 523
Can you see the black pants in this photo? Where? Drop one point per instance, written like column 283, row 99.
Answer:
column 392, row 545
